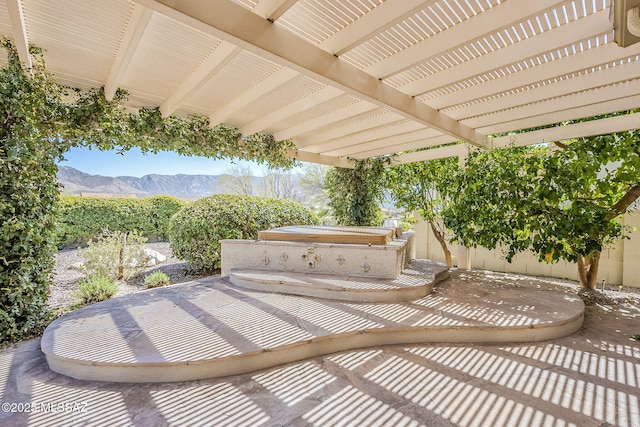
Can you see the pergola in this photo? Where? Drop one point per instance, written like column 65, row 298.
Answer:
column 353, row 78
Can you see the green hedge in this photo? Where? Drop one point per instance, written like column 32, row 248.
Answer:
column 81, row 218
column 196, row 230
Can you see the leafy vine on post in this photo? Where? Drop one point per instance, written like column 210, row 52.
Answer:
column 355, row 194
column 39, row 121
column 425, row 187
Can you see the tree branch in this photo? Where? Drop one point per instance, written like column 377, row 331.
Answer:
column 561, row 145
column 627, row 200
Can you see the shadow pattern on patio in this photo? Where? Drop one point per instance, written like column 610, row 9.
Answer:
column 209, row 328
column 589, row 378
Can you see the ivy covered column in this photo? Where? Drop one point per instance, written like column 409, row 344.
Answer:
column 28, row 193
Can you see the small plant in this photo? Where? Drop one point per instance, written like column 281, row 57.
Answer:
column 155, row 280
column 96, row 288
column 115, row 255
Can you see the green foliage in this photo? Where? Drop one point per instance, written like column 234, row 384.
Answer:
column 425, row 187
column 115, row 255
column 355, row 194
column 193, row 136
column 81, row 218
column 156, row 279
column 422, row 187
column 312, row 181
column 30, row 131
column 488, row 201
column 196, row 230
column 561, row 204
column 96, row 288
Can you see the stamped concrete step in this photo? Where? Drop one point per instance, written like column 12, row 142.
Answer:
column 414, row 282
column 208, row 328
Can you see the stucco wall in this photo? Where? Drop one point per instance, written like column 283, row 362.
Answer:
column 619, row 264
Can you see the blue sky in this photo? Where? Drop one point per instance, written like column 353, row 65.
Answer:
column 134, row 163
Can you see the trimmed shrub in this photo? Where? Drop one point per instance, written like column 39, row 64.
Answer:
column 162, row 208
column 196, row 230
column 96, row 288
column 80, row 219
column 156, row 279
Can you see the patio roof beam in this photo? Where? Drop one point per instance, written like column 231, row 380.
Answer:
column 303, row 104
column 367, row 151
column 136, row 27
column 396, row 143
column 16, row 17
column 562, row 104
column 575, row 63
column 262, row 88
column 273, row 9
column 343, row 113
column 359, row 124
column 474, row 28
column 619, row 104
column 242, row 27
column 343, row 146
column 305, row 156
column 576, row 130
column 556, row 38
column 217, row 59
column 383, row 16
column 434, row 153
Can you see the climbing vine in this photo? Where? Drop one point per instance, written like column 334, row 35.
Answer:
column 355, row 194
column 39, row 121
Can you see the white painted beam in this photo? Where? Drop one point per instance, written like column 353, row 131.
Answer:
column 343, row 146
column 231, row 22
column 263, row 88
column 474, row 28
column 305, row 156
column 416, row 139
column 358, row 124
column 136, row 27
column 303, row 104
column 561, row 103
column 591, row 110
column 371, row 23
column 16, row 17
column 351, row 110
column 580, row 61
column 273, row 9
column 392, row 148
column 435, row 153
column 577, row 130
column 215, row 61
column 556, row 38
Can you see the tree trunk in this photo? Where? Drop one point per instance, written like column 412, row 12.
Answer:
column 443, row 243
column 588, row 271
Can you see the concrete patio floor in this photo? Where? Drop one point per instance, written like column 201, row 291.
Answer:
column 590, row 378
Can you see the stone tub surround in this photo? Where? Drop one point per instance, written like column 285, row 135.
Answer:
column 328, row 234
column 209, row 328
column 384, row 261
column 415, row 281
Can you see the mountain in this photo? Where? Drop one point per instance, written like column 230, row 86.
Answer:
column 181, row 186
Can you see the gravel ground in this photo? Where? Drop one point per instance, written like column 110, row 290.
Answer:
column 63, row 291
column 65, row 279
